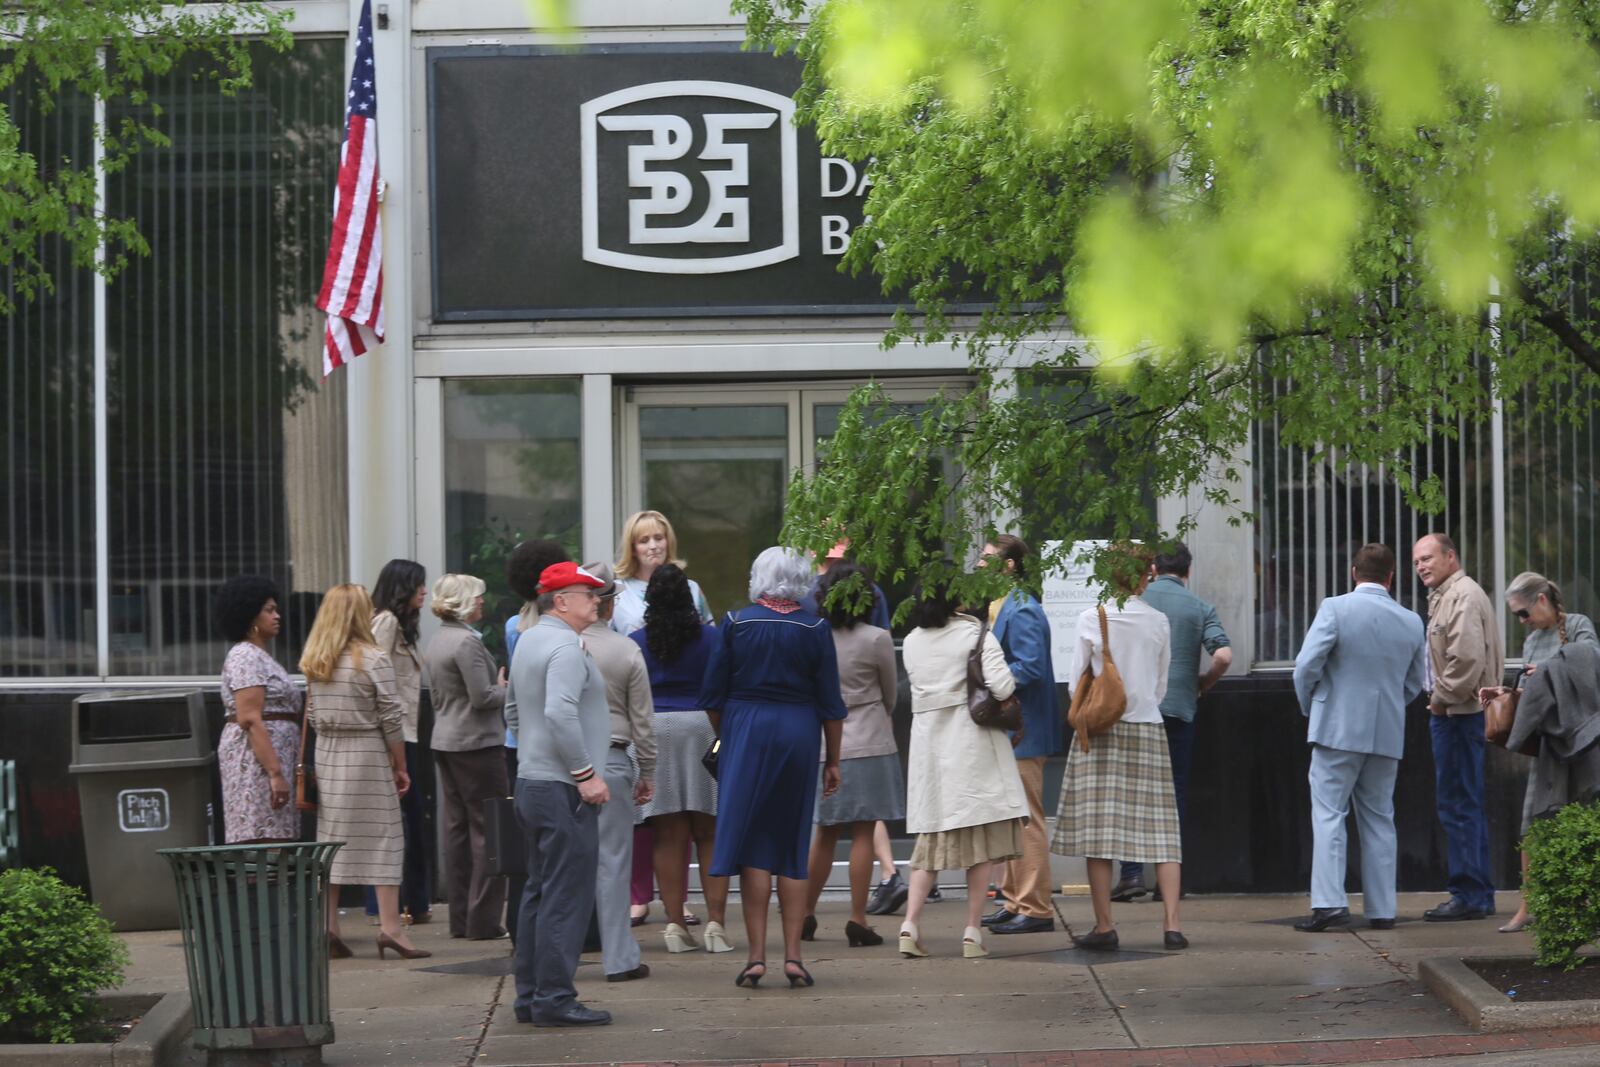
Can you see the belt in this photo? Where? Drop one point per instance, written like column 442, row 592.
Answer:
column 269, row 716
column 619, row 744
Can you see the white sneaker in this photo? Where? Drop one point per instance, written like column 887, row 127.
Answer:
column 717, row 938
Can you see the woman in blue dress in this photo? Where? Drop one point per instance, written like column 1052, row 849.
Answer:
column 773, row 676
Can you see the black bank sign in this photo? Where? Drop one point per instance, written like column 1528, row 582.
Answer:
column 633, row 181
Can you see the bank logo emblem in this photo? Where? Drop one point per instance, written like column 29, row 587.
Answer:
column 687, row 183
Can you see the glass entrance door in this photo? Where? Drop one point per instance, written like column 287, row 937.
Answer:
column 717, row 459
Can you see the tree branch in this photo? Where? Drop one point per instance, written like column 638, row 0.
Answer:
column 1557, row 323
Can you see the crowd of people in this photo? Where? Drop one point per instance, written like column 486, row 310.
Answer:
column 630, row 728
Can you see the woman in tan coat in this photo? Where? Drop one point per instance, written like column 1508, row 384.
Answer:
column 360, row 760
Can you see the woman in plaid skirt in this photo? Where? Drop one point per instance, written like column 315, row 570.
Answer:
column 1117, row 800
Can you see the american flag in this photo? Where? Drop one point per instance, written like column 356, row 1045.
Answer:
column 352, row 278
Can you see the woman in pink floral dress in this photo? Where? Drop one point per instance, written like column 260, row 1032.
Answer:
column 260, row 744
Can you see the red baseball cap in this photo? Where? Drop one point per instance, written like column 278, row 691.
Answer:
column 560, row 576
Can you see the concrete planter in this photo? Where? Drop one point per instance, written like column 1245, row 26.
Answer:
column 1488, row 1009
column 155, row 1042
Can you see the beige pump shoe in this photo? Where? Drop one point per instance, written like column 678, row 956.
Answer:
column 717, row 938
column 972, row 944
column 910, row 943
column 678, row 939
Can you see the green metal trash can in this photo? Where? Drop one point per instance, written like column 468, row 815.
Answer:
column 255, row 939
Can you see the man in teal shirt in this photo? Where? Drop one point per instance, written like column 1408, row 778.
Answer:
column 1194, row 626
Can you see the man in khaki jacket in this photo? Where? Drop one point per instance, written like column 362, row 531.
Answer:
column 1464, row 654
column 632, row 722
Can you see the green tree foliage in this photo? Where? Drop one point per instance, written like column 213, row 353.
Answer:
column 69, row 52
column 1563, row 884
column 1360, row 220
column 56, row 952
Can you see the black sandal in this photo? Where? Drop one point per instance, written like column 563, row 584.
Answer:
column 802, row 979
column 754, row 980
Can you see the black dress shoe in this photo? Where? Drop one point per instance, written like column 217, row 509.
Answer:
column 1322, row 918
column 999, row 915
column 1023, row 924
column 1174, row 940
column 1096, row 941
column 808, row 929
column 1380, row 924
column 1453, row 910
column 1126, row 891
column 575, row 1015
column 641, row 971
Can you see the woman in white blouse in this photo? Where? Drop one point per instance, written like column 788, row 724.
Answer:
column 1117, row 800
column 964, row 797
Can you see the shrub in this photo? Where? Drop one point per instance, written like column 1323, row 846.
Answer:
column 1563, row 883
column 56, row 952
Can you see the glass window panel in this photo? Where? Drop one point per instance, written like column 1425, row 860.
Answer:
column 512, row 472
column 227, row 453
column 719, row 474
column 47, row 543
column 1552, row 505
column 1313, row 514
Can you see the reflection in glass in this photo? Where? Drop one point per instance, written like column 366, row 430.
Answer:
column 719, row 474
column 227, row 455
column 47, row 590
column 512, row 472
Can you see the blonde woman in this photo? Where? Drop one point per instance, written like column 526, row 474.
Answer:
column 360, row 760
column 647, row 542
column 469, row 700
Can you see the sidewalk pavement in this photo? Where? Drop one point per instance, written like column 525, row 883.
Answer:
column 1250, row 990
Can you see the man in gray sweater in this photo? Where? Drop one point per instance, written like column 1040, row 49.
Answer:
column 556, row 706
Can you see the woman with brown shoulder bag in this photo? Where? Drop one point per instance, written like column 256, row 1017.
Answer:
column 1117, row 800
column 1536, row 601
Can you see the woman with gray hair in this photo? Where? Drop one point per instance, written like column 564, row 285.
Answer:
column 1536, row 600
column 469, row 698
column 772, row 678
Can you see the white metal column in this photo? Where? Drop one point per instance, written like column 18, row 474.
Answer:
column 102, row 440
column 597, row 447
column 379, row 413
column 1497, row 467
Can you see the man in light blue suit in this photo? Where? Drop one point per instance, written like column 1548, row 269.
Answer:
column 1362, row 662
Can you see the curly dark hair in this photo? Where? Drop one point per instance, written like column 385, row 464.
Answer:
column 239, row 601
column 671, row 621
column 528, row 561
column 846, row 615
column 397, row 584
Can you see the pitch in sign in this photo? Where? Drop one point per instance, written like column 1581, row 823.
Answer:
column 636, row 181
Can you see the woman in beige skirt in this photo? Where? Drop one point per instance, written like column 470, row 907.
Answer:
column 360, row 760
column 964, row 797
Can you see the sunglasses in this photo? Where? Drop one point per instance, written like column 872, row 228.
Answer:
column 1522, row 613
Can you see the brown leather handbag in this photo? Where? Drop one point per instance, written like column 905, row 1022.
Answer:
column 984, row 707
column 1500, row 713
column 305, row 778
column 1097, row 701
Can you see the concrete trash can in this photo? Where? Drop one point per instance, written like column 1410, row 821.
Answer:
column 143, row 763
column 255, row 941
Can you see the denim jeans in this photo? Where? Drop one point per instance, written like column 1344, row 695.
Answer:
column 1180, row 751
column 1458, row 794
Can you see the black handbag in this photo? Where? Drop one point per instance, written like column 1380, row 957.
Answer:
column 502, row 837
column 982, row 705
column 709, row 760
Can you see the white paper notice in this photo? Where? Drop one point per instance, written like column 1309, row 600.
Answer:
column 1067, row 593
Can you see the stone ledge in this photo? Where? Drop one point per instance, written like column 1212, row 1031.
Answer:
column 154, row 1042
column 1486, row 1008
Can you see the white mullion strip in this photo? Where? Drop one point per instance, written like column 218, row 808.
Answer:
column 1497, row 465
column 102, row 443
column 597, row 462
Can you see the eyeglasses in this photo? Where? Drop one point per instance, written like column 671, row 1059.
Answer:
column 1522, row 613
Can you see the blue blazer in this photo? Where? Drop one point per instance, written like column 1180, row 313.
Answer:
column 1361, row 664
column 1024, row 636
